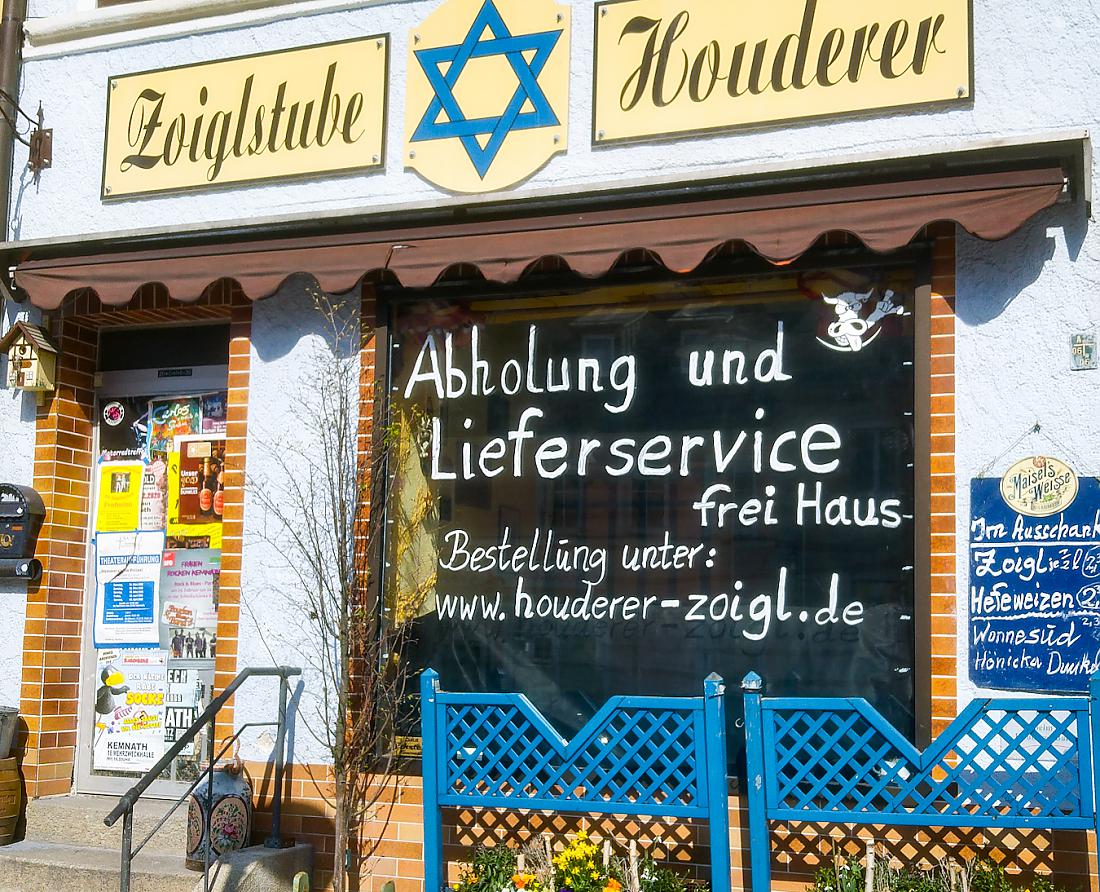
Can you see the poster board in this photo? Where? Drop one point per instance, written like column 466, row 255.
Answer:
column 162, row 601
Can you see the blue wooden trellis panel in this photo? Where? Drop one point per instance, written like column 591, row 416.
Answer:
column 1011, row 762
column 654, row 756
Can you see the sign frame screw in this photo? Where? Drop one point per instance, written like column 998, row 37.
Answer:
column 961, row 92
column 599, row 134
column 412, row 154
column 107, row 190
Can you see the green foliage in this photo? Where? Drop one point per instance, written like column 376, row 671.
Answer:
column 987, row 877
column 491, row 869
column 919, row 881
column 847, row 877
column 654, row 878
column 982, row 876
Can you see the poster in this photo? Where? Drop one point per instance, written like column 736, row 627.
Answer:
column 188, row 690
column 129, row 709
column 171, row 418
column 118, row 496
column 154, row 495
column 123, row 429
column 127, row 572
column 201, row 464
column 189, row 602
column 1034, row 598
column 215, row 408
column 622, row 499
column 203, row 533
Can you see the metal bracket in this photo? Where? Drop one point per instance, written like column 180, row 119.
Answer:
column 8, row 289
column 41, row 153
column 41, row 147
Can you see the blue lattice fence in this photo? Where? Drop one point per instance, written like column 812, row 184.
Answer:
column 653, row 756
column 1010, row 762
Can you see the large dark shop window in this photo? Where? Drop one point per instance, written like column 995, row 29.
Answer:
column 621, row 490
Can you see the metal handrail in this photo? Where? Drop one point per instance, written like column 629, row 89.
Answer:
column 125, row 807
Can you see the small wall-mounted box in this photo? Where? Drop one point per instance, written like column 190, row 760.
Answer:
column 32, row 359
column 21, row 516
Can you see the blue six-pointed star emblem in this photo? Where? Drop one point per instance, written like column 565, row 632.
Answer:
column 538, row 48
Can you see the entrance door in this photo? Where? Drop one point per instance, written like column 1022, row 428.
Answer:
column 154, row 553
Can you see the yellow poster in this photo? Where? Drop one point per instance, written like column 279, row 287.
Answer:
column 487, row 99
column 312, row 110
column 118, row 505
column 187, row 535
column 667, row 67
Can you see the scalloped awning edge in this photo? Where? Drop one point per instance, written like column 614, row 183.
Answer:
column 778, row 226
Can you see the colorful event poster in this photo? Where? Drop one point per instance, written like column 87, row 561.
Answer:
column 196, row 528
column 201, row 465
column 129, row 709
column 154, row 496
column 118, row 503
column 215, row 413
column 127, row 568
column 171, row 418
column 189, row 597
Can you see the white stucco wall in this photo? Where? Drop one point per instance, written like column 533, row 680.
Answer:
column 17, row 412
column 1018, row 302
column 1017, row 91
column 288, row 337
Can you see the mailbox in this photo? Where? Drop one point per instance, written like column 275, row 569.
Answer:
column 21, row 516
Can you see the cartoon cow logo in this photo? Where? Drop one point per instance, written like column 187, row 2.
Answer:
column 859, row 304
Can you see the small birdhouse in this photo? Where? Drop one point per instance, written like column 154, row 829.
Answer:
column 32, row 359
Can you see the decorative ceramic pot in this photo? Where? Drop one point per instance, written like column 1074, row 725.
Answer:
column 225, row 823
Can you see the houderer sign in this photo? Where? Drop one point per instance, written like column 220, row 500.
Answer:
column 666, row 67
column 319, row 109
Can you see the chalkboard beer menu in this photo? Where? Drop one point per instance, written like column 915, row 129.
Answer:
column 623, row 490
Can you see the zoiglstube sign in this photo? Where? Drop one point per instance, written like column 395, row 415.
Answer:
column 666, row 67
column 319, row 109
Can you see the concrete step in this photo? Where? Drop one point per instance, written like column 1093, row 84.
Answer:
column 34, row 866
column 78, row 820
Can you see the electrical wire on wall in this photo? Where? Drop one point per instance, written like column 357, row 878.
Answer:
column 11, row 118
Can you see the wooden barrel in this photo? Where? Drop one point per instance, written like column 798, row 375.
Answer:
column 11, row 798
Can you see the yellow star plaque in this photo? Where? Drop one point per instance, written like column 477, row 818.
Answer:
column 487, row 101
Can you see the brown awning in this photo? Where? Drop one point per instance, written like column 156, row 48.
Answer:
column 778, row 226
